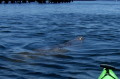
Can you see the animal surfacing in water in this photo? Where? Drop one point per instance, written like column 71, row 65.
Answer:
column 60, row 48
column 54, row 50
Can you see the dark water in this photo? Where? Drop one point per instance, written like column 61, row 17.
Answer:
column 41, row 41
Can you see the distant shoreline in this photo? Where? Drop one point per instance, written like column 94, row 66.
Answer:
column 85, row 0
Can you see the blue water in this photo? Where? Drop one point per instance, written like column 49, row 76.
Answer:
column 42, row 41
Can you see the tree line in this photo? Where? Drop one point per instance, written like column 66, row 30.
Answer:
column 39, row 1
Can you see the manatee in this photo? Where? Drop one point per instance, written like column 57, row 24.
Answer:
column 51, row 51
column 61, row 48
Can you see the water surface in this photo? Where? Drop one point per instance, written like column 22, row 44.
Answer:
column 40, row 41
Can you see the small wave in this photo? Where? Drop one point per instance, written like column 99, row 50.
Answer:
column 50, row 75
column 5, row 68
column 63, row 56
column 54, row 66
column 38, row 34
column 2, row 27
column 35, row 45
column 5, row 31
column 2, row 47
column 8, row 59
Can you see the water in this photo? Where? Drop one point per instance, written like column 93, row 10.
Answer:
column 40, row 41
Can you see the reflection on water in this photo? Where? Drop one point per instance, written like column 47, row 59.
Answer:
column 63, row 41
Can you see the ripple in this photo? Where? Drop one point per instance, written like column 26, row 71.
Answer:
column 50, row 75
column 55, row 66
column 2, row 27
column 35, row 45
column 2, row 47
column 5, row 31
column 13, row 76
column 63, row 56
column 38, row 34
column 5, row 68
column 8, row 59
